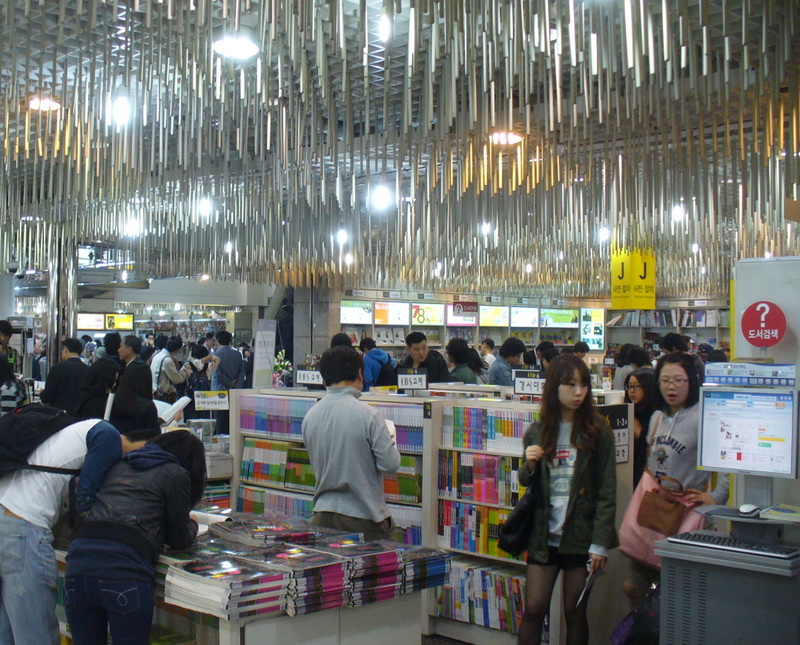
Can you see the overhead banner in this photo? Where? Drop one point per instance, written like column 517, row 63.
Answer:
column 633, row 279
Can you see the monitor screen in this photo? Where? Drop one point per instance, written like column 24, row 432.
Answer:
column 748, row 430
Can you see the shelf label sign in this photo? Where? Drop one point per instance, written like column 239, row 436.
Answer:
column 412, row 378
column 763, row 324
column 617, row 416
column 211, row 400
column 633, row 279
column 465, row 308
column 527, row 382
column 308, row 376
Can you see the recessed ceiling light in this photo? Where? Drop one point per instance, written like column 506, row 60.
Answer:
column 381, row 197
column 121, row 110
column 678, row 213
column 529, row 268
column 228, row 247
column 505, row 138
column 604, row 234
column 384, row 28
column 43, row 104
column 341, row 237
column 348, row 259
column 204, row 207
column 695, row 247
column 238, row 46
column 486, row 228
column 767, row 254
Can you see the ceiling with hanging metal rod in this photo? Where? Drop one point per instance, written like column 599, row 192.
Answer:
column 474, row 145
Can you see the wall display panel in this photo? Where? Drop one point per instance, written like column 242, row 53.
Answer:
column 593, row 328
column 558, row 318
column 91, row 322
column 427, row 314
column 491, row 316
column 463, row 320
column 119, row 322
column 392, row 313
column 524, row 316
column 355, row 312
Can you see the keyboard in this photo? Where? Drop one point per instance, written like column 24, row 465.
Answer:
column 714, row 540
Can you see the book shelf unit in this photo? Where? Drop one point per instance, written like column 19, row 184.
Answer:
column 272, row 470
column 647, row 327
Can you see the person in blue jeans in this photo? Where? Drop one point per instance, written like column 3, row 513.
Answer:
column 144, row 502
column 30, row 503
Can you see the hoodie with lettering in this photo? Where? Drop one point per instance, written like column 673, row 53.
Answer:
column 673, row 451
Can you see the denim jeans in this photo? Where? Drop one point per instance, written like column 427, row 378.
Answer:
column 27, row 584
column 96, row 604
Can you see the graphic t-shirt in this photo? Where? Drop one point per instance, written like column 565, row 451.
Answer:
column 560, row 483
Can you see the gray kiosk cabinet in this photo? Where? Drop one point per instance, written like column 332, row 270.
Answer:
column 715, row 597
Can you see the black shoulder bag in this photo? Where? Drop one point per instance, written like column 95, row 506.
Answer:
column 516, row 531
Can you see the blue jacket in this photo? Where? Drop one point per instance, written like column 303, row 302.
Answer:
column 500, row 372
column 373, row 360
column 230, row 372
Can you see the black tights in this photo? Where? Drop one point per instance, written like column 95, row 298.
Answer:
column 540, row 582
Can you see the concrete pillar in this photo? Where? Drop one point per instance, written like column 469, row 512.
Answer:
column 316, row 319
column 7, row 296
column 62, row 296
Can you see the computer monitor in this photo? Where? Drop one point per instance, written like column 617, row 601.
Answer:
column 749, row 431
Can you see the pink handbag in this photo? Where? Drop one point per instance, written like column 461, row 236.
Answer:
column 636, row 541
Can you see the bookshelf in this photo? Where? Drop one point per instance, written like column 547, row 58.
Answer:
column 647, row 327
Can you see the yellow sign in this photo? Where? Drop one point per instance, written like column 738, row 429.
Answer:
column 119, row 322
column 633, row 279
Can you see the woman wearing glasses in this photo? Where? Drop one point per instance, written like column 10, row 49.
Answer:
column 672, row 449
column 640, row 389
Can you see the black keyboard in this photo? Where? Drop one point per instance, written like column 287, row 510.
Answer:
column 715, row 540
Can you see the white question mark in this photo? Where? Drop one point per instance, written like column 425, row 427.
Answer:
column 763, row 307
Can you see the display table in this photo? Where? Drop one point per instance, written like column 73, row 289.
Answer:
column 721, row 597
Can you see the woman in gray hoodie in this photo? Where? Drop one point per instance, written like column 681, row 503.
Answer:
column 672, row 450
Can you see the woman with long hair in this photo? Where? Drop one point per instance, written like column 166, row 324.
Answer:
column 143, row 503
column 570, row 464
column 672, row 450
column 133, row 407
column 467, row 364
column 12, row 391
column 100, row 380
column 640, row 389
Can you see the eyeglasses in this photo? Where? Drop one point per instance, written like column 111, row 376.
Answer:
column 634, row 388
column 677, row 382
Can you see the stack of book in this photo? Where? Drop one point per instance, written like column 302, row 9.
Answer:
column 259, row 531
column 226, row 587
column 317, row 580
column 423, row 567
column 373, row 568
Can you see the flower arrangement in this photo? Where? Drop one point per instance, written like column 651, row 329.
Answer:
column 281, row 367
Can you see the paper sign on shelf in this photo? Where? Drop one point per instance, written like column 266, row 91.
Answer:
column 211, row 400
column 307, row 376
column 527, row 382
column 410, row 378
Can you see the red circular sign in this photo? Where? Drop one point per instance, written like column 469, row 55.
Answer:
column 763, row 324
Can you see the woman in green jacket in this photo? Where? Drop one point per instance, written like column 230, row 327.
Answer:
column 569, row 462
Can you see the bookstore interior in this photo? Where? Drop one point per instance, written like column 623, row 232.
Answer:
column 596, row 171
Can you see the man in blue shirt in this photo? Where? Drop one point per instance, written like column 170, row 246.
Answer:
column 511, row 352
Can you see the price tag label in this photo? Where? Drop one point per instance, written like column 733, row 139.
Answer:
column 621, row 437
column 527, row 382
column 306, row 376
column 410, row 378
column 622, row 454
column 211, row 400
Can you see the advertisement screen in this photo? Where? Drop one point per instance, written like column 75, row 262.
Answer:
column 427, row 313
column 465, row 320
column 524, row 316
column 493, row 316
column 91, row 321
column 593, row 328
column 558, row 318
column 391, row 313
column 355, row 312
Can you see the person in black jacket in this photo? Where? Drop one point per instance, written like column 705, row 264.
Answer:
column 62, row 389
column 419, row 356
column 133, row 406
column 143, row 503
column 100, row 380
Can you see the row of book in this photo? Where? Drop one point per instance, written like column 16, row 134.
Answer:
column 261, row 575
column 489, row 595
column 274, row 415
column 496, row 430
column 409, row 422
column 472, row 527
column 406, row 484
column 479, row 477
column 672, row 318
column 298, row 506
column 218, row 493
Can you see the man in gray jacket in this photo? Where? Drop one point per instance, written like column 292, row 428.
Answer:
column 350, row 448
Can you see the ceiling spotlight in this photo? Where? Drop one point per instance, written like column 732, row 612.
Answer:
column 205, row 277
column 767, row 254
column 133, row 228
column 505, row 138
column 43, row 104
column 341, row 237
column 561, row 255
column 228, row 247
column 238, row 46
column 695, row 247
column 124, row 276
column 121, row 110
column 204, row 207
column 177, row 306
column 348, row 259
column 703, row 270
column 678, row 213
column 529, row 268
column 384, row 28
column 486, row 228
column 381, row 197
column 604, row 234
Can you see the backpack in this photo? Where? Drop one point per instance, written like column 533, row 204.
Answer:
column 386, row 375
column 25, row 429
column 197, row 381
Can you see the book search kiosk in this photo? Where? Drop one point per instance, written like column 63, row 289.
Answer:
column 743, row 587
